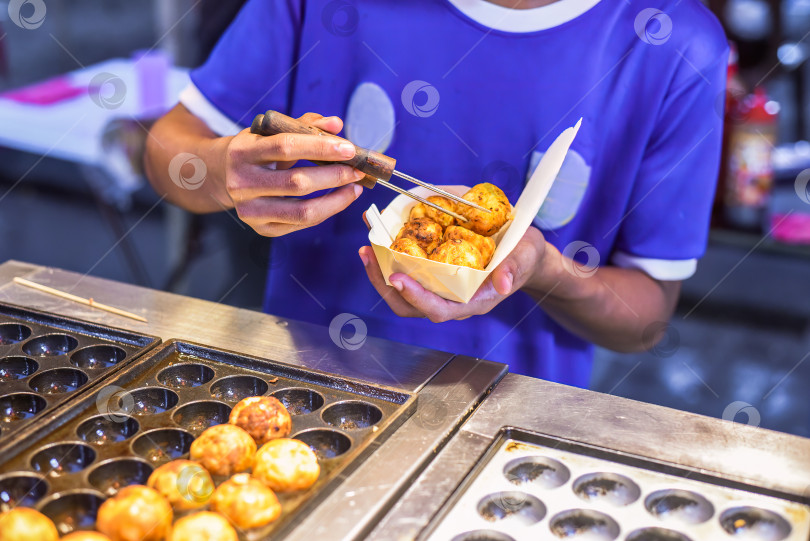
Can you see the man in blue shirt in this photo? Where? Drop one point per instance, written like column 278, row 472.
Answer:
column 462, row 92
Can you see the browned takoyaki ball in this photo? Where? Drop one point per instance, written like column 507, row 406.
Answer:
column 136, row 513
column 246, row 502
column 420, row 210
column 263, row 417
column 85, row 536
column 286, row 465
column 26, row 524
column 408, row 246
column 484, row 244
column 490, row 197
column 203, row 526
column 458, row 252
column 426, row 232
column 224, row 449
column 184, row 483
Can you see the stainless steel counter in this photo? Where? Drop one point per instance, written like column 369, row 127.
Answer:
column 735, row 452
column 449, row 386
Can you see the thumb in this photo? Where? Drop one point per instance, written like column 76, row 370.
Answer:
column 513, row 272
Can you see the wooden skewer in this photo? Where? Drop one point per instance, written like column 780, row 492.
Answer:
column 76, row 298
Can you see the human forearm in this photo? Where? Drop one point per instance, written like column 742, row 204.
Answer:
column 617, row 308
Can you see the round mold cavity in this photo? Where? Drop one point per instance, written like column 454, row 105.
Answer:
column 12, row 368
column 11, row 333
column 20, row 406
column 197, row 416
column 299, row 401
column 754, row 524
column 611, row 488
column 112, row 475
column 62, row 458
column 107, row 429
column 514, row 506
column 57, row 381
column 236, row 388
column 24, row 489
column 50, row 345
column 540, row 471
column 325, row 442
column 483, row 535
column 162, row 444
column 147, row 401
column 678, row 505
column 656, row 534
column 352, row 415
column 73, row 510
column 584, row 524
column 101, row 356
column 185, row 375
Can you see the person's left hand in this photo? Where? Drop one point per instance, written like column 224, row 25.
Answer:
column 407, row 298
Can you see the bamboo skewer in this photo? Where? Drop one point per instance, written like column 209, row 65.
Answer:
column 75, row 298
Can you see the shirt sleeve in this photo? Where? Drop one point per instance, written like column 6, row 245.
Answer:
column 666, row 225
column 248, row 72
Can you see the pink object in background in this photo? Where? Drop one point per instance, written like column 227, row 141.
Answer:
column 151, row 71
column 47, row 92
column 793, row 228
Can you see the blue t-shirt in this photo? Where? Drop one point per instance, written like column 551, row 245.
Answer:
column 467, row 92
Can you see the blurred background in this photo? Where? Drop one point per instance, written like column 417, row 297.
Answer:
column 737, row 348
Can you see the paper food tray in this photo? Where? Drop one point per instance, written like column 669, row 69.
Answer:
column 454, row 282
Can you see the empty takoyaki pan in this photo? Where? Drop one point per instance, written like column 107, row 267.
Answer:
column 150, row 413
column 528, row 490
column 46, row 359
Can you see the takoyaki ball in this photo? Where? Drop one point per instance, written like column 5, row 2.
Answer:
column 408, row 246
column 263, row 417
column 458, row 252
column 484, row 244
column 426, row 232
column 184, row 483
column 85, row 536
column 203, row 526
column 136, row 513
column 286, row 465
column 490, row 197
column 26, row 524
column 420, row 210
column 246, row 502
column 224, row 449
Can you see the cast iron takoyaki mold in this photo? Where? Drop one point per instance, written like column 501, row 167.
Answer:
column 149, row 413
column 529, row 486
column 46, row 359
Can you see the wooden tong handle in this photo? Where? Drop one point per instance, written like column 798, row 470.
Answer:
column 373, row 164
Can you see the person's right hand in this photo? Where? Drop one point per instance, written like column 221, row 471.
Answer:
column 265, row 190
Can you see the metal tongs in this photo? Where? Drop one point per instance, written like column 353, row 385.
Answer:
column 378, row 167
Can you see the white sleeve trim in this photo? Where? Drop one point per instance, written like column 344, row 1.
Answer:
column 660, row 269
column 198, row 104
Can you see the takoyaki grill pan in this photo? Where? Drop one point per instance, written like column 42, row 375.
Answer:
column 149, row 414
column 46, row 359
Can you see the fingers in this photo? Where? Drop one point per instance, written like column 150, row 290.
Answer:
column 272, row 216
column 397, row 304
column 258, row 182
column 332, row 124
column 518, row 266
column 431, row 305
